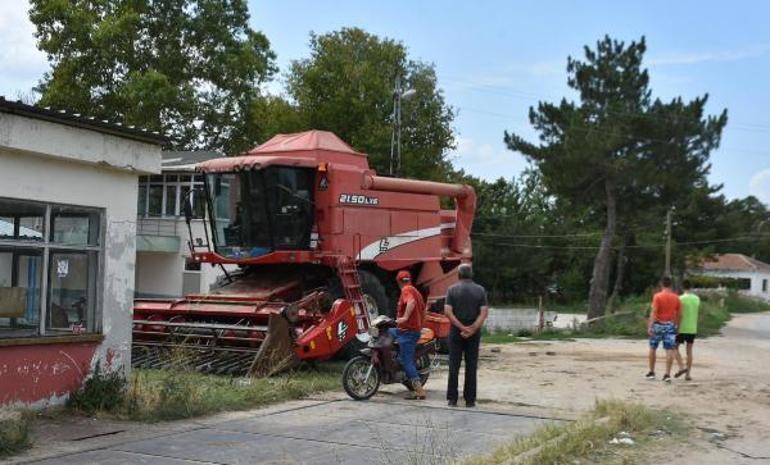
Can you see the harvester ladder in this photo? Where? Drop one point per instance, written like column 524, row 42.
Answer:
column 351, row 285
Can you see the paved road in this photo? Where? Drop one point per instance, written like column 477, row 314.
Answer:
column 321, row 432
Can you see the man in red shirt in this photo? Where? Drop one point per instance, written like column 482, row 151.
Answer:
column 409, row 316
column 663, row 326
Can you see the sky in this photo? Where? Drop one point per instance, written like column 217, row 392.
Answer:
column 495, row 59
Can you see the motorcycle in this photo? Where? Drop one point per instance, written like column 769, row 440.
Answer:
column 378, row 361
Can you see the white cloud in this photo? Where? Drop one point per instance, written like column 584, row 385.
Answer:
column 487, row 161
column 693, row 58
column 759, row 186
column 21, row 63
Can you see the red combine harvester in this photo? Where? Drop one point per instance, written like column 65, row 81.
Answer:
column 317, row 238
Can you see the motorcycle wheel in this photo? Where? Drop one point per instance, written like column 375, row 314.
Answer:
column 354, row 379
column 422, row 363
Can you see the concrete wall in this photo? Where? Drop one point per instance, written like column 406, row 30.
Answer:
column 160, row 274
column 46, row 162
column 755, row 277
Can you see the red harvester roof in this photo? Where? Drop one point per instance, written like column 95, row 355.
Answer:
column 303, row 142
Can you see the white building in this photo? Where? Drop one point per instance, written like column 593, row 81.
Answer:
column 163, row 265
column 68, row 188
column 738, row 266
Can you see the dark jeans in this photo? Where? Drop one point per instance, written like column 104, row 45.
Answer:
column 407, row 343
column 460, row 347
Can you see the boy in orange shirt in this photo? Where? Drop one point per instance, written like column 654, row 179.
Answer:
column 663, row 326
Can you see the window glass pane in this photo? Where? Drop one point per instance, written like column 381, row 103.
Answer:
column 141, row 204
column 142, row 180
column 185, row 178
column 74, row 226
column 156, row 178
column 20, row 283
column 155, row 202
column 21, row 220
column 170, row 200
column 198, row 201
column 70, row 295
column 171, row 178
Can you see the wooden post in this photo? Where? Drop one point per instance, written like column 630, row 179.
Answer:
column 540, row 315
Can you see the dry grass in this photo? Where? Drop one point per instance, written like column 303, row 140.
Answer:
column 14, row 432
column 587, row 440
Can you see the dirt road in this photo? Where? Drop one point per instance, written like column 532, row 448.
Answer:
column 728, row 399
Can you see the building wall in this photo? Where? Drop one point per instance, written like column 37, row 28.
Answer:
column 159, row 274
column 48, row 162
column 755, row 277
column 162, row 274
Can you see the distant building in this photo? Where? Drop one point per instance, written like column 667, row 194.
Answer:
column 163, row 265
column 739, row 266
column 67, row 247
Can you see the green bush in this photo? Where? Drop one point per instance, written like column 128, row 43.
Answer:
column 714, row 282
column 101, row 392
column 737, row 303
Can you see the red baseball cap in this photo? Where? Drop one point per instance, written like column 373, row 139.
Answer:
column 404, row 275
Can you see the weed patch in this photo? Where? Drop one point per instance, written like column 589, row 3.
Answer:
column 587, row 440
column 14, row 432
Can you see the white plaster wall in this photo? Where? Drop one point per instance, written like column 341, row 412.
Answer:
column 41, row 178
column 75, row 144
column 159, row 274
column 755, row 277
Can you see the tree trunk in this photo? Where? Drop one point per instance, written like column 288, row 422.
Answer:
column 619, row 274
column 597, row 296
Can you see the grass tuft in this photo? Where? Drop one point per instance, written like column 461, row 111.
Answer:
column 589, row 438
column 14, row 432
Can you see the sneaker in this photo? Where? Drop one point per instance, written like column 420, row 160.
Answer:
column 452, row 403
column 688, row 378
column 681, row 372
column 667, row 379
column 470, row 404
column 650, row 375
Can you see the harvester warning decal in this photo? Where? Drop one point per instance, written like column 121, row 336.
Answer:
column 323, row 184
column 371, row 251
column 342, row 331
column 355, row 199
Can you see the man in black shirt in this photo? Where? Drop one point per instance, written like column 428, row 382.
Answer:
column 466, row 307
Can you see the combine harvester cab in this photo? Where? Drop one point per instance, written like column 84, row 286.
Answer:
column 309, row 240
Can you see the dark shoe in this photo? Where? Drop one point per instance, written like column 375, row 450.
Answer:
column 687, row 378
column 452, row 403
column 667, row 379
column 680, row 372
column 650, row 375
column 470, row 405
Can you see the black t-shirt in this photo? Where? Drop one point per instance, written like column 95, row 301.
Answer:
column 466, row 299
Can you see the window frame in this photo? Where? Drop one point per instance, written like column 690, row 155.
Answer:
column 47, row 246
column 173, row 180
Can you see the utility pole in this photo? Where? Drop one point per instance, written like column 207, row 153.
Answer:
column 395, row 139
column 668, row 242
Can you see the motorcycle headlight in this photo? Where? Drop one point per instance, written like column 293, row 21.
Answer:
column 374, row 331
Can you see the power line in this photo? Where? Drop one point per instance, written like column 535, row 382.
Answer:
column 599, row 131
column 506, row 91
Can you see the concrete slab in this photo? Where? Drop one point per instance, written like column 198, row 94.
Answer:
column 335, row 432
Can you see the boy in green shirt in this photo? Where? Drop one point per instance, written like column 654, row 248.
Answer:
column 688, row 328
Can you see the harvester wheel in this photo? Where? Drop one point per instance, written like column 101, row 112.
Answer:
column 360, row 378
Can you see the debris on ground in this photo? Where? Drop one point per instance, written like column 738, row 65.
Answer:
column 623, row 438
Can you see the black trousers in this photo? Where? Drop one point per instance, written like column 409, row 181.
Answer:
column 459, row 348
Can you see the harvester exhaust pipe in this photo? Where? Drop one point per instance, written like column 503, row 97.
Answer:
column 464, row 196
